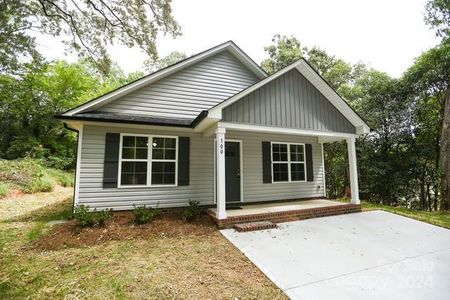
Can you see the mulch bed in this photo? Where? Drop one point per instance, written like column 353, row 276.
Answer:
column 121, row 227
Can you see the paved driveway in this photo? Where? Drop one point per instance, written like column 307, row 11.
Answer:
column 368, row 255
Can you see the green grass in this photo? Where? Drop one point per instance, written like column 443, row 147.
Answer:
column 150, row 267
column 433, row 217
column 3, row 189
column 29, row 176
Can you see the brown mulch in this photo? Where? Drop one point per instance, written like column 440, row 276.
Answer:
column 121, row 227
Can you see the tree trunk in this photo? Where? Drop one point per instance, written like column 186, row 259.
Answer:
column 445, row 153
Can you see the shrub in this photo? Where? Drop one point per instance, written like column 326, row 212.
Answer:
column 88, row 218
column 102, row 216
column 192, row 212
column 3, row 189
column 143, row 214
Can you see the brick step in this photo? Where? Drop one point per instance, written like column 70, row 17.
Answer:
column 252, row 226
column 288, row 216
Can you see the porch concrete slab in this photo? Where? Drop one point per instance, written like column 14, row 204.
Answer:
column 253, row 209
column 370, row 255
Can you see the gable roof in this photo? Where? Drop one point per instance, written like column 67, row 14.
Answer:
column 146, row 80
column 315, row 79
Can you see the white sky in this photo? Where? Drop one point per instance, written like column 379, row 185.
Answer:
column 385, row 34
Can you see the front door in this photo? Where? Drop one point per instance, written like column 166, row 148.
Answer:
column 232, row 172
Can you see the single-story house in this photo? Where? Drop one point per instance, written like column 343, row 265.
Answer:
column 214, row 128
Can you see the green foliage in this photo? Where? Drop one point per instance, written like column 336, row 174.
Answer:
column 192, row 212
column 29, row 176
column 30, row 101
column 172, row 58
column 399, row 160
column 36, row 231
column 84, row 27
column 143, row 214
column 88, row 218
column 437, row 15
column 3, row 189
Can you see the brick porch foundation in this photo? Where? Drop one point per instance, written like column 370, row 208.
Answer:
column 286, row 216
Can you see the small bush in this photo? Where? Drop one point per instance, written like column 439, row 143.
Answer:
column 191, row 213
column 102, row 216
column 3, row 190
column 88, row 218
column 143, row 214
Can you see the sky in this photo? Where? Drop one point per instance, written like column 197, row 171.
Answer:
column 385, row 34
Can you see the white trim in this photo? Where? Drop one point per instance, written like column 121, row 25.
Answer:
column 241, row 169
column 221, row 212
column 230, row 46
column 288, row 162
column 149, row 161
column 353, row 170
column 323, row 172
column 331, row 95
column 267, row 129
column 76, row 196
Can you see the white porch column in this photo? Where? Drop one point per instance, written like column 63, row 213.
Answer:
column 220, row 173
column 353, row 170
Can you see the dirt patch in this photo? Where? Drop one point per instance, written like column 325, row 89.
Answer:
column 19, row 205
column 121, row 227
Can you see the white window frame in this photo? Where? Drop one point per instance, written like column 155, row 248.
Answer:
column 149, row 161
column 288, row 162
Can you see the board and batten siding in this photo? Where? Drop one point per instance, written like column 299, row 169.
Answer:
column 254, row 188
column 289, row 101
column 186, row 93
column 201, row 186
column 92, row 193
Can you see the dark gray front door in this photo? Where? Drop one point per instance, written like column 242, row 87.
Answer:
column 232, row 172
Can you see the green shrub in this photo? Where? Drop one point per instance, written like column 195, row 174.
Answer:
column 102, row 216
column 143, row 214
column 191, row 213
column 3, row 190
column 88, row 218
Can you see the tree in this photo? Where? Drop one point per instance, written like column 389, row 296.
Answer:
column 283, row 51
column 86, row 27
column 428, row 80
column 29, row 102
column 164, row 62
column 437, row 15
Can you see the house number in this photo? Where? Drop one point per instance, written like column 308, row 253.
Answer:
column 221, row 146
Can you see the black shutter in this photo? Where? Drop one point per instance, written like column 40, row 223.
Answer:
column 111, row 162
column 266, row 163
column 183, row 160
column 309, row 163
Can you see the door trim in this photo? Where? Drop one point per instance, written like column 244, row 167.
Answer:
column 241, row 165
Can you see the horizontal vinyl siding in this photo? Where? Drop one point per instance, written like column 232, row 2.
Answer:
column 201, row 186
column 289, row 101
column 91, row 192
column 254, row 188
column 186, row 93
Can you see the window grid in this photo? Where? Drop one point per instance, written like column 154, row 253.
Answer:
column 148, row 160
column 298, row 160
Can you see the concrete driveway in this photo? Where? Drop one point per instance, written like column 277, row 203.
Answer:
column 368, row 255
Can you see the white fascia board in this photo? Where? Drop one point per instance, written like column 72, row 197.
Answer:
column 216, row 111
column 340, row 104
column 282, row 130
column 230, row 46
column 315, row 80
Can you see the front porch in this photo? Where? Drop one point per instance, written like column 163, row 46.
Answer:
column 285, row 211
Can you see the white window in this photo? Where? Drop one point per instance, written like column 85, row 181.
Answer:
column 288, row 162
column 147, row 160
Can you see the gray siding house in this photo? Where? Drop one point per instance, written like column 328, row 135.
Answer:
column 213, row 128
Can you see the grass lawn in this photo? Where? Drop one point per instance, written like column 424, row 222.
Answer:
column 436, row 218
column 121, row 260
